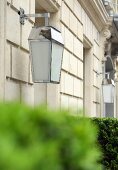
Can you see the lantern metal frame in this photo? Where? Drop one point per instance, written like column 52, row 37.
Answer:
column 52, row 36
column 55, row 39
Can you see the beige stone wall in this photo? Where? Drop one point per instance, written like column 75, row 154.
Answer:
column 18, row 80
column 72, row 68
column 80, row 82
column 2, row 47
column 77, row 27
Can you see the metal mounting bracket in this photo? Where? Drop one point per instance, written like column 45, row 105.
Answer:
column 24, row 16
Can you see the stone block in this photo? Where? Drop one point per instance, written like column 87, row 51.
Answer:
column 40, row 94
column 20, row 64
column 73, row 104
column 78, row 10
column 54, row 20
column 80, row 69
column 63, row 32
column 80, row 104
column 96, row 64
column 78, row 48
column 26, row 29
column 73, row 23
column 66, row 60
column 12, row 91
column 96, row 49
column 13, row 26
column 21, row 4
column 70, row 4
column 77, row 87
column 62, row 83
column 98, row 114
column 30, row 72
column 8, row 60
column 32, row 9
column 65, row 15
column 73, row 65
column 53, row 95
column 96, row 81
column 27, row 94
column 94, row 113
column 80, row 31
column 68, row 40
column 81, row 89
column 88, row 28
column 64, row 101
column 84, row 21
column 59, row 2
column 90, row 31
column 96, row 34
column 69, row 84
column 96, row 95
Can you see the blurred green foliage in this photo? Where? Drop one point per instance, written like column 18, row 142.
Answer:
column 108, row 139
column 42, row 139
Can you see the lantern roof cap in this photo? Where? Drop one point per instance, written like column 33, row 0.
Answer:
column 46, row 32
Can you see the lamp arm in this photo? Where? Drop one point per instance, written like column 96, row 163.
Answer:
column 24, row 16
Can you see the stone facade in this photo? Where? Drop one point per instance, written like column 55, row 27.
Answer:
column 82, row 24
column 16, row 78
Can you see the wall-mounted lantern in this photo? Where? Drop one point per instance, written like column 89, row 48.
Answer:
column 46, row 50
column 108, row 88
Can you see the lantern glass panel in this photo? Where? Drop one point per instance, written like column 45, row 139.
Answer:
column 41, row 56
column 108, row 93
column 57, row 53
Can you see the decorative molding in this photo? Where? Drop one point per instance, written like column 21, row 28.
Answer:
column 106, row 32
column 47, row 5
column 97, row 12
column 106, row 40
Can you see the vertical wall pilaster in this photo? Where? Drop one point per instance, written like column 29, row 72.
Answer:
column 2, row 47
column 88, row 87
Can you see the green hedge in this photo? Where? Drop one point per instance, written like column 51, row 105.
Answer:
column 108, row 139
column 41, row 139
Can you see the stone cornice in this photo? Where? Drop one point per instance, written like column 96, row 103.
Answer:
column 48, row 5
column 97, row 12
